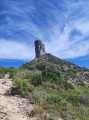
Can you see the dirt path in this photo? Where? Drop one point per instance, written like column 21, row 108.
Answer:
column 13, row 107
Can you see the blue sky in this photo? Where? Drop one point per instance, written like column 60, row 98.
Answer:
column 62, row 25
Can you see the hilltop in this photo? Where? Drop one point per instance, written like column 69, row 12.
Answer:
column 71, row 72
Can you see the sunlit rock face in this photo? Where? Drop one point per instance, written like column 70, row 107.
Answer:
column 39, row 48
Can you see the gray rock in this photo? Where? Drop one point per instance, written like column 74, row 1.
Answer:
column 39, row 48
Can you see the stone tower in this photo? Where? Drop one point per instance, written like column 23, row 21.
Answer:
column 39, row 48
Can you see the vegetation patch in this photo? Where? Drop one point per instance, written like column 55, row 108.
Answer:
column 55, row 86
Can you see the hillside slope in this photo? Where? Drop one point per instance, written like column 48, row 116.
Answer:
column 13, row 107
column 71, row 72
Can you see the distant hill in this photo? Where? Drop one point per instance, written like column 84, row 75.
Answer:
column 71, row 72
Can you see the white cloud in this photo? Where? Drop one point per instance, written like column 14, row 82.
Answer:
column 53, row 25
column 64, row 46
column 82, row 26
column 15, row 50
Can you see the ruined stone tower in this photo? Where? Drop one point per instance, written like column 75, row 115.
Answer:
column 39, row 48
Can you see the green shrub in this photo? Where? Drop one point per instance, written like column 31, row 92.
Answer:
column 29, row 74
column 81, row 117
column 53, row 99
column 49, row 76
column 36, row 79
column 66, row 84
column 51, row 117
column 2, row 72
column 37, row 96
column 11, row 71
column 2, row 75
column 73, row 97
column 57, row 79
column 49, row 85
column 22, row 87
column 84, row 97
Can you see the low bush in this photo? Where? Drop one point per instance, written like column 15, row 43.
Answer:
column 73, row 98
column 22, row 87
column 37, row 96
column 49, row 85
column 36, row 79
column 2, row 72
column 51, row 117
column 53, row 98
column 84, row 97
column 2, row 75
column 56, row 79
column 65, row 84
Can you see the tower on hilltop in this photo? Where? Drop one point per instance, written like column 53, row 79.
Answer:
column 39, row 48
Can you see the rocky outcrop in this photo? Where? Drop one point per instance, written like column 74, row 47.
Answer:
column 39, row 48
